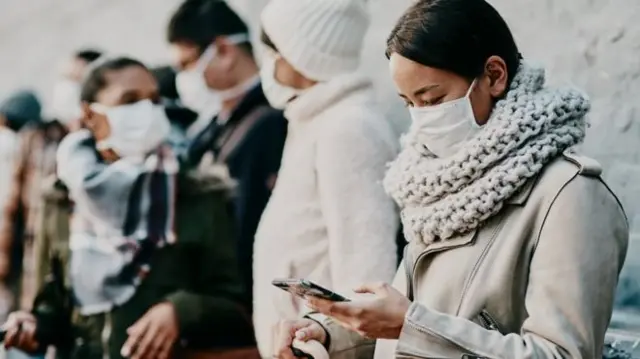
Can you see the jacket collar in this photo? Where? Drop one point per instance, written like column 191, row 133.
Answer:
column 521, row 197
column 324, row 95
column 253, row 99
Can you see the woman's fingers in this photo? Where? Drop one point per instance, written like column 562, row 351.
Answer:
column 20, row 331
column 372, row 288
column 147, row 344
column 311, row 332
column 136, row 332
column 340, row 310
column 287, row 330
column 26, row 337
column 11, row 336
column 165, row 349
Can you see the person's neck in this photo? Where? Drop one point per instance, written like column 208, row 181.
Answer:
column 245, row 71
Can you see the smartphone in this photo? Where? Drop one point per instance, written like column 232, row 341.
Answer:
column 304, row 288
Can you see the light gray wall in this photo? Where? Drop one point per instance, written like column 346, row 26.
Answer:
column 594, row 44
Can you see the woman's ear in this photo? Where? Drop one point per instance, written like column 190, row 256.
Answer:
column 86, row 115
column 496, row 71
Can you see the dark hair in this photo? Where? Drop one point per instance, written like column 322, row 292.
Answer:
column 96, row 80
column 266, row 40
column 166, row 77
column 88, row 55
column 200, row 21
column 454, row 35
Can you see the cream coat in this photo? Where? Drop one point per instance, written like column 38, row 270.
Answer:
column 329, row 219
column 536, row 281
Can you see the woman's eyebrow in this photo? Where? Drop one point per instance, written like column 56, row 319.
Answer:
column 425, row 89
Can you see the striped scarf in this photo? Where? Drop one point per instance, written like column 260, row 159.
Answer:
column 111, row 247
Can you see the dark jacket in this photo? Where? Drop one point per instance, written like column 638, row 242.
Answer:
column 254, row 164
column 198, row 275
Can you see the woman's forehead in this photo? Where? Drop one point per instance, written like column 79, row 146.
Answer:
column 410, row 76
column 130, row 80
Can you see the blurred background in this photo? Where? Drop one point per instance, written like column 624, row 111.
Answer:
column 594, row 44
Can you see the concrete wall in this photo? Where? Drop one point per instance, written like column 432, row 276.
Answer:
column 592, row 43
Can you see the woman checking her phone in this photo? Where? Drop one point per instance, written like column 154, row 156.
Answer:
column 515, row 243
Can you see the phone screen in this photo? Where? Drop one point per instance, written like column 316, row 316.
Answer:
column 304, row 288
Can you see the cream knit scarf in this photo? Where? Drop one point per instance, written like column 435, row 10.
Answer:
column 531, row 126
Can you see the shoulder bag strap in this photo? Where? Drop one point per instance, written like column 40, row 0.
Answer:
column 239, row 133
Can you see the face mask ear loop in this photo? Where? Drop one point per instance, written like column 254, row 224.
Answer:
column 206, row 57
column 471, row 87
column 472, row 118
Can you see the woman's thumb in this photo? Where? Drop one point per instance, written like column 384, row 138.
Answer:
column 311, row 331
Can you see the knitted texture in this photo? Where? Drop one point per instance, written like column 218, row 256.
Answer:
column 320, row 39
column 531, row 126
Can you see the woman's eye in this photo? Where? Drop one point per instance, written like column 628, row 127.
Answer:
column 408, row 104
column 434, row 101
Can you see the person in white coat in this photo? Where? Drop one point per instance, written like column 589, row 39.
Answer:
column 328, row 219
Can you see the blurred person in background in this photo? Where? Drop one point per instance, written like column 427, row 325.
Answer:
column 329, row 219
column 152, row 256
column 22, row 114
column 52, row 232
column 34, row 177
column 15, row 112
column 516, row 242
column 211, row 47
column 181, row 118
column 65, row 106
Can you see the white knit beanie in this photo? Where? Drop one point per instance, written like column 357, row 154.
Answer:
column 320, row 38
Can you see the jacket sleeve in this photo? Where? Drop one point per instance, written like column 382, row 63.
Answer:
column 361, row 219
column 212, row 313
column 569, row 298
column 347, row 344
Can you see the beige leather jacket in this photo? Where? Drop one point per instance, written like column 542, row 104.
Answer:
column 536, row 281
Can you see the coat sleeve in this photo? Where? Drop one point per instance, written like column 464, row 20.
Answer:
column 361, row 219
column 347, row 344
column 573, row 274
column 212, row 314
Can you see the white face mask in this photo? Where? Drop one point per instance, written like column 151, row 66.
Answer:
column 277, row 94
column 66, row 101
column 445, row 128
column 192, row 86
column 136, row 129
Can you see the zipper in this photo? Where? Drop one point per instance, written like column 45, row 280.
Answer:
column 425, row 331
column 488, row 322
column 409, row 273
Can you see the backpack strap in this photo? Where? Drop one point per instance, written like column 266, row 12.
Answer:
column 240, row 132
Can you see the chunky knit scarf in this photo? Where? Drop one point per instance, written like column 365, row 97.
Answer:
column 528, row 128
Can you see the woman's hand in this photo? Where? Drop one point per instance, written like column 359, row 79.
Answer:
column 20, row 332
column 99, row 126
column 379, row 317
column 153, row 335
column 302, row 329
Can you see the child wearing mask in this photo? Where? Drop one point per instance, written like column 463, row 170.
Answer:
column 151, row 252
